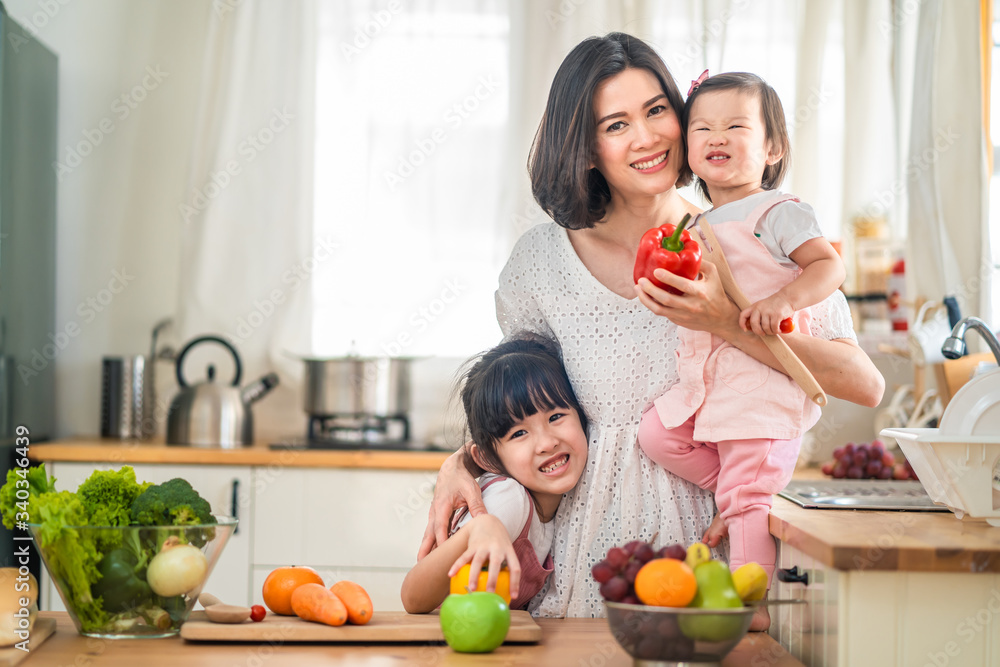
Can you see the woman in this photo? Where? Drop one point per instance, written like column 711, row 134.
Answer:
column 606, row 163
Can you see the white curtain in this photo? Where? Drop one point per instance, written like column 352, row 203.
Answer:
column 412, row 99
column 946, row 170
column 247, row 251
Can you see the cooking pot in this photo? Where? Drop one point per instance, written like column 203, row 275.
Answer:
column 212, row 414
column 353, row 385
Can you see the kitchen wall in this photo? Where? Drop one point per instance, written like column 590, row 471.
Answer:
column 128, row 95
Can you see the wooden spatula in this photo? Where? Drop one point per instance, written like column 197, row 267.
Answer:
column 779, row 348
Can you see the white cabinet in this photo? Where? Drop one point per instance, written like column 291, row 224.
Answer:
column 887, row 618
column 220, row 485
column 348, row 523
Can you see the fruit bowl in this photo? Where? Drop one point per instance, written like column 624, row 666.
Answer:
column 677, row 635
column 103, row 574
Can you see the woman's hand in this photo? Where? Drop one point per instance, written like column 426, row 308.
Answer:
column 703, row 306
column 840, row 366
column 454, row 490
column 489, row 541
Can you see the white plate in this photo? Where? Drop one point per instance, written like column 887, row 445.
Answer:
column 975, row 408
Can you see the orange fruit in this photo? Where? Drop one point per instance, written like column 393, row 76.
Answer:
column 282, row 582
column 460, row 582
column 666, row 582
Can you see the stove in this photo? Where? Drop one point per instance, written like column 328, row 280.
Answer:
column 861, row 494
column 353, row 431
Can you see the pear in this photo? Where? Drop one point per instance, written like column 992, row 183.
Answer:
column 715, row 591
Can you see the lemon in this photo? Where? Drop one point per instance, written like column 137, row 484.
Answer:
column 750, row 581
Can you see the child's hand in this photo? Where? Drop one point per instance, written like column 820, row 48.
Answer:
column 765, row 316
column 489, row 541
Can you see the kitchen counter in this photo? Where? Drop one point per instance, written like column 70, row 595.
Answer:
column 576, row 641
column 126, row 451
column 847, row 539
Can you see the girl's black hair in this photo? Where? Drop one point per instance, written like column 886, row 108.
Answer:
column 562, row 181
column 771, row 111
column 516, row 379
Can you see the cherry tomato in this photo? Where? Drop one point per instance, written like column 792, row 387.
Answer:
column 786, row 325
column 257, row 613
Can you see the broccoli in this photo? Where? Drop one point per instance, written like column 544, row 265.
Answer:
column 173, row 503
column 108, row 496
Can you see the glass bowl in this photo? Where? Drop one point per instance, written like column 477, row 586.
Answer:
column 677, row 635
column 100, row 573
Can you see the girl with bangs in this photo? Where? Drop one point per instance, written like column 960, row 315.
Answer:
column 530, row 436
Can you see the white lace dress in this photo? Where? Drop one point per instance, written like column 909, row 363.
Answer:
column 619, row 356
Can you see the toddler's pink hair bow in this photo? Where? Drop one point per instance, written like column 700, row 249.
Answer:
column 697, row 82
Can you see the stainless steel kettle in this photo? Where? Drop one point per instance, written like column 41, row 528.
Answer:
column 212, row 414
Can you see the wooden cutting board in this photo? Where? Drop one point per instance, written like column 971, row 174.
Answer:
column 42, row 630
column 387, row 626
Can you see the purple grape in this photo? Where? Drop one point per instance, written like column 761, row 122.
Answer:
column 632, row 547
column 840, row 470
column 630, row 599
column 849, row 449
column 602, row 571
column 855, row 472
column 631, row 570
column 873, row 468
column 860, row 458
column 675, row 551
column 838, row 453
column 885, row 472
column 614, row 589
column 617, row 558
column 644, row 553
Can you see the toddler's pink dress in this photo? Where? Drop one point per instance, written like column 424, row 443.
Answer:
column 732, row 424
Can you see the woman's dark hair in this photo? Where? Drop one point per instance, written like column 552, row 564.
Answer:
column 516, row 379
column 563, row 183
column 775, row 129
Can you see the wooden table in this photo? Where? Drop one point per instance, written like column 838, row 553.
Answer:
column 576, row 641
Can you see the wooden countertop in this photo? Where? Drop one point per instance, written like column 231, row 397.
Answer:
column 574, row 641
column 847, row 539
column 124, row 451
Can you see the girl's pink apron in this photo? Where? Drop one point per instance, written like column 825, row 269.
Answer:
column 731, row 395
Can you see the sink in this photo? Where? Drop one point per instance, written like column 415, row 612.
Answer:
column 861, row 494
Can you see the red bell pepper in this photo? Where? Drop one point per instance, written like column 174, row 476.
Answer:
column 671, row 248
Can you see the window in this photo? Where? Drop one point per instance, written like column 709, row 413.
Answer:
column 412, row 113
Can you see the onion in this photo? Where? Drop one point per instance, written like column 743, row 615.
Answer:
column 177, row 569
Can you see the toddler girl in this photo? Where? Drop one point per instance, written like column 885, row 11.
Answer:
column 528, row 432
column 731, row 424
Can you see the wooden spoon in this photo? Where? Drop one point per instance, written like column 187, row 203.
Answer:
column 778, row 347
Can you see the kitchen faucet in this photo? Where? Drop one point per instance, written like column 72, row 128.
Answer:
column 954, row 345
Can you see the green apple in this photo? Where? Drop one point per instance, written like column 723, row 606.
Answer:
column 476, row 622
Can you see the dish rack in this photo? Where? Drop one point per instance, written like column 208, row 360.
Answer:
column 958, row 463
